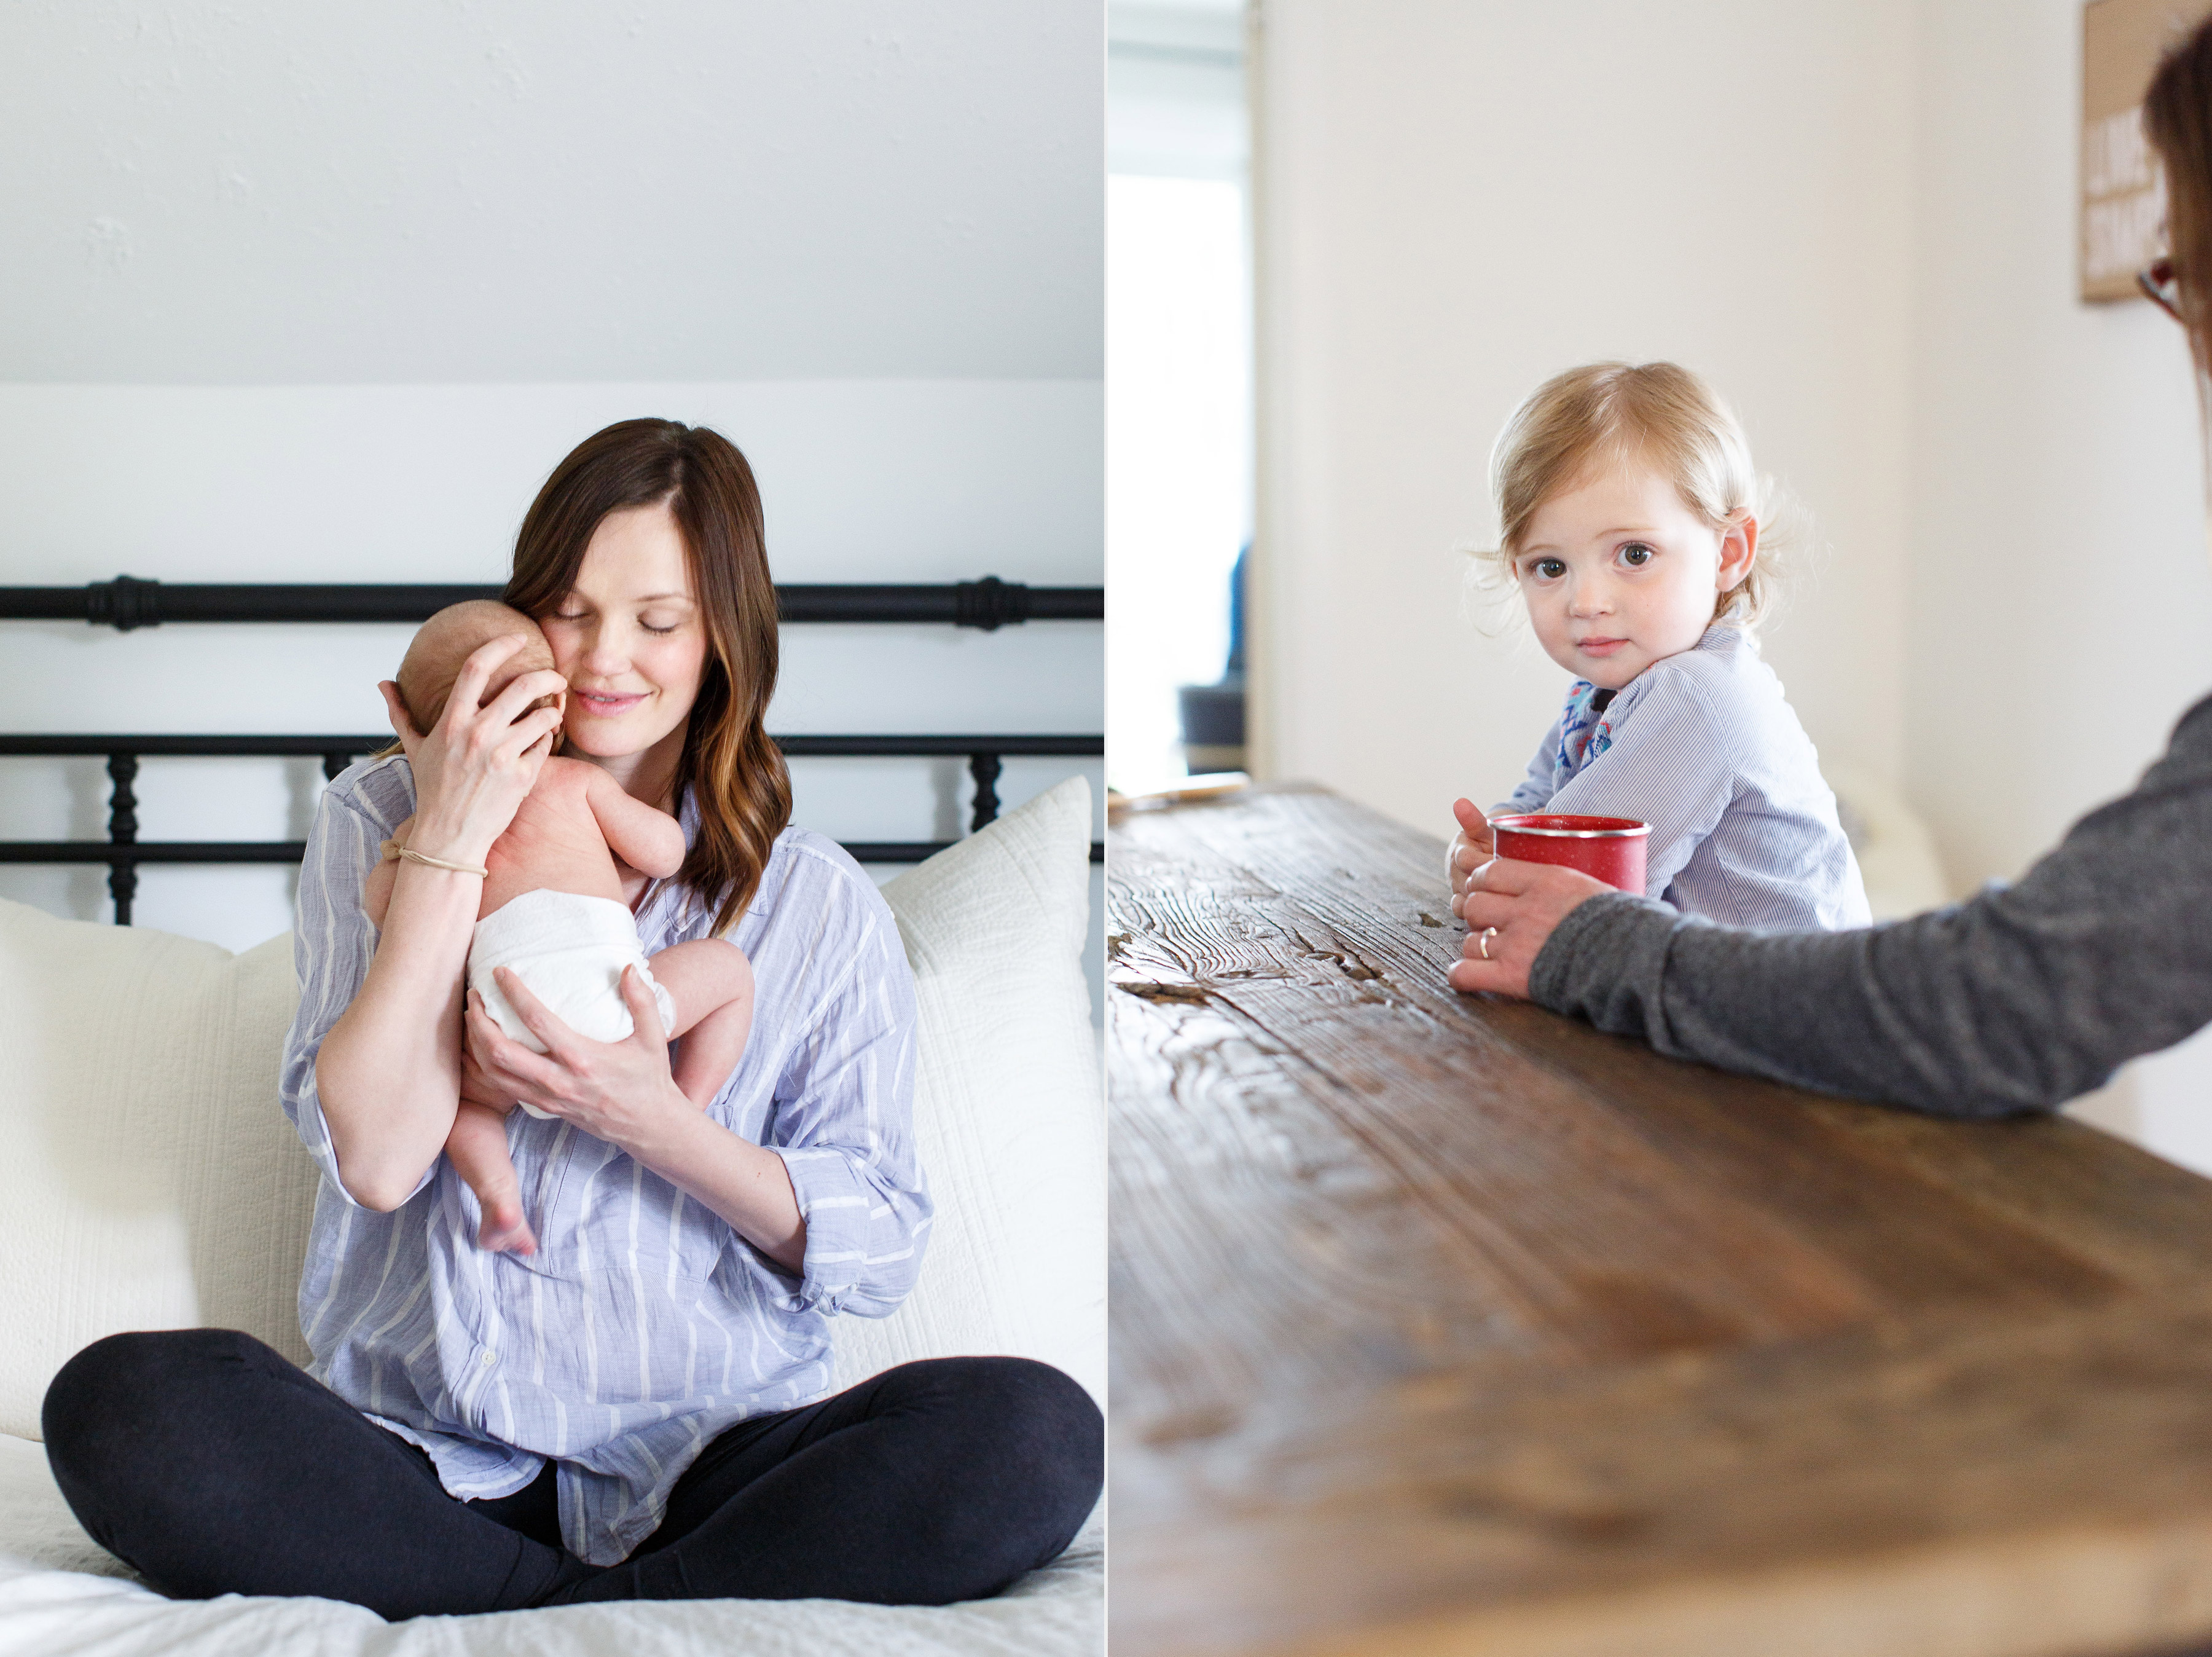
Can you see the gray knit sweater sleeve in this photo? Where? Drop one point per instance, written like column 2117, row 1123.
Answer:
column 2017, row 1000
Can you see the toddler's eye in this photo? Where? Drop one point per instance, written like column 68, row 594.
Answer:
column 1547, row 569
column 1635, row 555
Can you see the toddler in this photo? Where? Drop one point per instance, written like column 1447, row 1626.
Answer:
column 1630, row 522
column 552, row 913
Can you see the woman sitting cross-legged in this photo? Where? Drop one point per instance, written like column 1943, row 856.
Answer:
column 639, row 1409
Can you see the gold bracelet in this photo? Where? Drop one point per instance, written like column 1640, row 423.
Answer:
column 415, row 856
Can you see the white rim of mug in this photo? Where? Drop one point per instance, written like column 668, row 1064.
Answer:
column 1504, row 827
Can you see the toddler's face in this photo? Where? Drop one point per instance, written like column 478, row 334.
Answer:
column 1619, row 574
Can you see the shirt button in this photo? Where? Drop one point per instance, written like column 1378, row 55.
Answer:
column 486, row 1357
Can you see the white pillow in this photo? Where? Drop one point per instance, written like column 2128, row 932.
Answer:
column 1010, row 1117
column 149, row 1180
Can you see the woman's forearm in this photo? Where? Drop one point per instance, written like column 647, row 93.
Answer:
column 389, row 1072
column 2018, row 1000
column 746, row 1184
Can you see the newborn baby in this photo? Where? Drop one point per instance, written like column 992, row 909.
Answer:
column 553, row 913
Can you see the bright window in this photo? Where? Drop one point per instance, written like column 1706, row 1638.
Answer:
column 1178, row 371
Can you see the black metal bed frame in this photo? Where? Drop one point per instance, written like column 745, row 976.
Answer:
column 125, row 603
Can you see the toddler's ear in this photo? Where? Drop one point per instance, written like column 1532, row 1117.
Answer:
column 1739, row 548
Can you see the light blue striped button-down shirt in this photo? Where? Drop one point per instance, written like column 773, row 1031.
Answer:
column 1703, row 747
column 644, row 1325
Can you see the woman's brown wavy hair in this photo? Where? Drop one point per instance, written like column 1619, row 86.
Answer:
column 2177, row 114
column 734, row 773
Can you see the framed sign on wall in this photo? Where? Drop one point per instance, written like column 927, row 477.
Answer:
column 2123, row 210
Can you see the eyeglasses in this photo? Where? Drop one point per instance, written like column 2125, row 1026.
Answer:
column 2156, row 280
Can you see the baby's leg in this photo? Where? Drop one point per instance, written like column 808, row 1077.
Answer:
column 711, row 982
column 478, row 1146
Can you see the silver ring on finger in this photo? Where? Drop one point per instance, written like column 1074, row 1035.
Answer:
column 1483, row 942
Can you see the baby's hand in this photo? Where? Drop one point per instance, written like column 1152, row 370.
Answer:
column 1471, row 848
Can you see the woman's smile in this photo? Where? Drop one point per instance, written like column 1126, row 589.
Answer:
column 606, row 704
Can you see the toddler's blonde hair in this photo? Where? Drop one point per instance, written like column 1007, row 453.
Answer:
column 1654, row 414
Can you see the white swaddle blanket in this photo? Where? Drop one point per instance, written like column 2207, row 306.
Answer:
column 570, row 950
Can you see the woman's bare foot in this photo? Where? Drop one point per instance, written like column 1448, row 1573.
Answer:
column 504, row 1228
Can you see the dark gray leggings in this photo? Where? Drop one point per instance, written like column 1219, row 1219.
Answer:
column 210, row 1464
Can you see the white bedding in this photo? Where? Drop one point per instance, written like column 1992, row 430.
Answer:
column 62, row 1596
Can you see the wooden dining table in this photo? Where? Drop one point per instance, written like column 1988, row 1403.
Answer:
column 1443, row 1324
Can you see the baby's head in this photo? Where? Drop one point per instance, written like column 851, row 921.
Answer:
column 1630, row 517
column 448, row 639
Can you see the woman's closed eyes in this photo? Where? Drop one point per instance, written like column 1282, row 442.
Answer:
column 643, row 624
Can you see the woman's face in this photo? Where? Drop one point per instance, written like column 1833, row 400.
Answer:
column 630, row 638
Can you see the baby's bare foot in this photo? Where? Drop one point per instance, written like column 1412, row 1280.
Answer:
column 504, row 1228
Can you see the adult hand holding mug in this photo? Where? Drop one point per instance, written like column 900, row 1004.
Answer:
column 1511, row 908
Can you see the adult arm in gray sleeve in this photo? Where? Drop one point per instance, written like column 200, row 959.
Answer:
column 2017, row 1000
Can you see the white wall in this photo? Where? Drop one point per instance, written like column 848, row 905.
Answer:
column 1458, row 198
column 226, row 190
column 2061, row 606
column 322, row 297
column 1858, row 220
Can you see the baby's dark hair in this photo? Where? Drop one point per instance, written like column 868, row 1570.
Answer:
column 445, row 642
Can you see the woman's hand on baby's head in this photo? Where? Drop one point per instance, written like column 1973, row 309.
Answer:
column 475, row 765
column 496, row 723
column 1474, row 845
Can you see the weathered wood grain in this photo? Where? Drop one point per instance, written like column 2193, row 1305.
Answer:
column 1442, row 1323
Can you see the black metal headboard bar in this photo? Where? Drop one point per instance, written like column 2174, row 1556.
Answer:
column 127, row 602
column 124, row 851
column 123, row 859
column 811, row 748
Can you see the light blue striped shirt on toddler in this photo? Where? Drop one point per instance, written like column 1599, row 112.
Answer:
column 1703, row 747
column 644, row 1325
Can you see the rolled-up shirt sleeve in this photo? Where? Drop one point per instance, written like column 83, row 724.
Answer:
column 332, row 944
column 844, row 1127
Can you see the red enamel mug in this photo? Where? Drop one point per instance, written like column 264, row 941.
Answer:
column 1609, row 848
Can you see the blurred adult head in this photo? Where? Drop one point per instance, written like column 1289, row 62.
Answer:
column 2178, row 119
